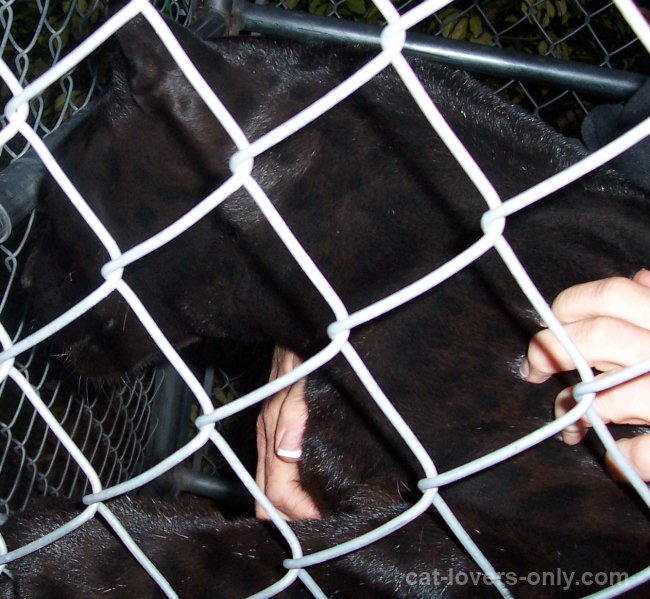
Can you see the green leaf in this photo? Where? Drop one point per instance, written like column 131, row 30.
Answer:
column 550, row 9
column 357, row 7
column 485, row 39
column 475, row 25
column 459, row 31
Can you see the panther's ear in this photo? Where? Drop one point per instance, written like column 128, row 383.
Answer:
column 148, row 67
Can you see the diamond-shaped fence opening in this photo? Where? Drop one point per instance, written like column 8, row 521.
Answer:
column 589, row 32
column 93, row 441
column 112, row 425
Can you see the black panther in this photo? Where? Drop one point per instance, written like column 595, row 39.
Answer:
column 377, row 201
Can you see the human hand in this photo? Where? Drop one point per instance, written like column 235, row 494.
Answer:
column 280, row 428
column 609, row 321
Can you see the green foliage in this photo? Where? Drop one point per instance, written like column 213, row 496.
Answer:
column 591, row 31
column 557, row 28
column 560, row 28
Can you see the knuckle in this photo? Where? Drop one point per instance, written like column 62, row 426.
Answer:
column 539, row 347
column 599, row 293
column 612, row 289
column 640, row 456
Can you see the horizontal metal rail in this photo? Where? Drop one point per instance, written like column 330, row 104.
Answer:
column 602, row 82
column 241, row 15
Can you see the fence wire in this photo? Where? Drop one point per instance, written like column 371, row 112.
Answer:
column 112, row 425
column 34, row 37
column 17, row 114
column 592, row 32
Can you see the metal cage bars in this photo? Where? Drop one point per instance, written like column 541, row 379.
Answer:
column 487, row 60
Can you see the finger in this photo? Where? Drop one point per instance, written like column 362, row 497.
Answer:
column 275, row 363
column 642, row 277
column 637, row 452
column 270, row 470
column 291, row 424
column 265, row 454
column 265, row 431
column 605, row 343
column 287, row 494
column 260, row 477
column 284, row 361
column 574, row 433
column 261, row 441
column 288, row 428
column 628, row 403
column 280, row 428
column 284, row 491
column 617, row 297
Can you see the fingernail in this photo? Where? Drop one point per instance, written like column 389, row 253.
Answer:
column 289, row 445
column 294, row 454
column 524, row 369
column 572, row 436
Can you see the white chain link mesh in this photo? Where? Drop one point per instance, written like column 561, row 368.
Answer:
column 493, row 224
column 581, row 31
column 110, row 424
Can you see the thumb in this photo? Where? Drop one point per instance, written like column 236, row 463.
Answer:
column 292, row 421
column 637, row 452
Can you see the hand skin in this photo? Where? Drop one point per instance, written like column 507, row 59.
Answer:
column 280, row 428
column 609, row 320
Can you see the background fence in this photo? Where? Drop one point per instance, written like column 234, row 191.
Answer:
column 113, row 427
column 119, row 428
column 586, row 32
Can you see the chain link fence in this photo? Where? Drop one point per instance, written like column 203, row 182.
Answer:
column 587, row 32
column 111, row 426
column 36, row 35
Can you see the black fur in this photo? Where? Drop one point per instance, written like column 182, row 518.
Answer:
column 377, row 201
